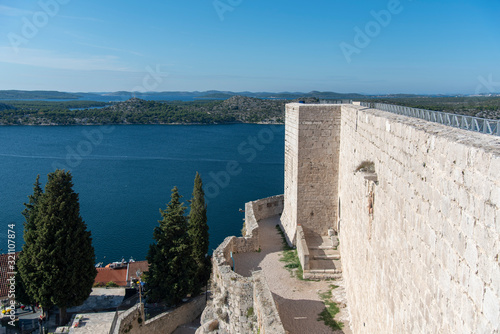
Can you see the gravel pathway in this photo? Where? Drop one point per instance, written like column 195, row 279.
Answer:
column 298, row 301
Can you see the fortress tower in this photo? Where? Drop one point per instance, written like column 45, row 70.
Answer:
column 419, row 229
column 312, row 144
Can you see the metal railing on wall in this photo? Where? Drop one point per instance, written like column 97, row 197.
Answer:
column 325, row 101
column 471, row 123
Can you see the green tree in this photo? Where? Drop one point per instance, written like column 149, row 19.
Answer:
column 58, row 264
column 169, row 257
column 30, row 234
column 198, row 234
column 29, row 212
column 22, row 295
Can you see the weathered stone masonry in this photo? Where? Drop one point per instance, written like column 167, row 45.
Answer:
column 420, row 241
column 242, row 304
column 311, row 168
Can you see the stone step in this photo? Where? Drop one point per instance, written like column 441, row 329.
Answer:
column 323, row 247
column 327, row 257
column 326, row 271
column 321, row 275
column 323, row 264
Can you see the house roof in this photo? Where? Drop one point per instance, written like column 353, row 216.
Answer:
column 6, row 272
column 105, row 275
column 143, row 266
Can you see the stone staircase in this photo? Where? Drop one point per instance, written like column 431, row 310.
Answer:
column 324, row 258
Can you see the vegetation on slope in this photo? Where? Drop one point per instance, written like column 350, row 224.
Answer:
column 478, row 106
column 236, row 109
column 22, row 94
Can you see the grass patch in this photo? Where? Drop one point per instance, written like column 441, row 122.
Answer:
column 290, row 257
column 284, row 244
column 244, row 229
column 330, row 310
column 249, row 312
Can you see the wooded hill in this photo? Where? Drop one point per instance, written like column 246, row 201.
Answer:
column 237, row 109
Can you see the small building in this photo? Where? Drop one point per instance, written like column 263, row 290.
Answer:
column 120, row 273
column 107, row 274
column 6, row 272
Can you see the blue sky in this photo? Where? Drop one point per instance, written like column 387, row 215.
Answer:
column 329, row 45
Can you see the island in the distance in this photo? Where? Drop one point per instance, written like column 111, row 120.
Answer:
column 207, row 109
column 237, row 109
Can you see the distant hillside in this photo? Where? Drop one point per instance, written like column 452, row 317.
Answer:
column 206, row 95
column 35, row 95
column 4, row 106
column 237, row 109
column 478, row 106
column 283, row 95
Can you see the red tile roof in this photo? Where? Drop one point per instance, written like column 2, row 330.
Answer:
column 105, row 275
column 6, row 272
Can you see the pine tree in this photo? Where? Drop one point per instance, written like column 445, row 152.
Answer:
column 58, row 266
column 198, row 234
column 169, row 258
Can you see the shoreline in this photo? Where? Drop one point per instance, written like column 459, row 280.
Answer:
column 112, row 124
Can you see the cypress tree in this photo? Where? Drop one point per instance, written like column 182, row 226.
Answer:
column 29, row 212
column 169, row 258
column 198, row 234
column 24, row 266
column 58, row 267
column 22, row 295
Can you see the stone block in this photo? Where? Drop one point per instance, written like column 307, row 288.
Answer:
column 476, row 290
column 491, row 308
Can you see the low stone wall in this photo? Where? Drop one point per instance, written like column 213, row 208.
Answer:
column 127, row 319
column 242, row 304
column 268, row 320
column 267, row 207
column 255, row 211
column 302, row 249
column 132, row 322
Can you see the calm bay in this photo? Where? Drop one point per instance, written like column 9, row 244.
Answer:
column 124, row 175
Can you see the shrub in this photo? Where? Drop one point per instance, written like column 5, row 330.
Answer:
column 366, row 167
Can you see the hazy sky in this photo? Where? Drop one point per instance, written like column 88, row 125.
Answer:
column 366, row 46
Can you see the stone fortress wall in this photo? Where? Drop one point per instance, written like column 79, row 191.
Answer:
column 419, row 237
column 242, row 304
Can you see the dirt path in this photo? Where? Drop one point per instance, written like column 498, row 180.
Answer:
column 298, row 301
